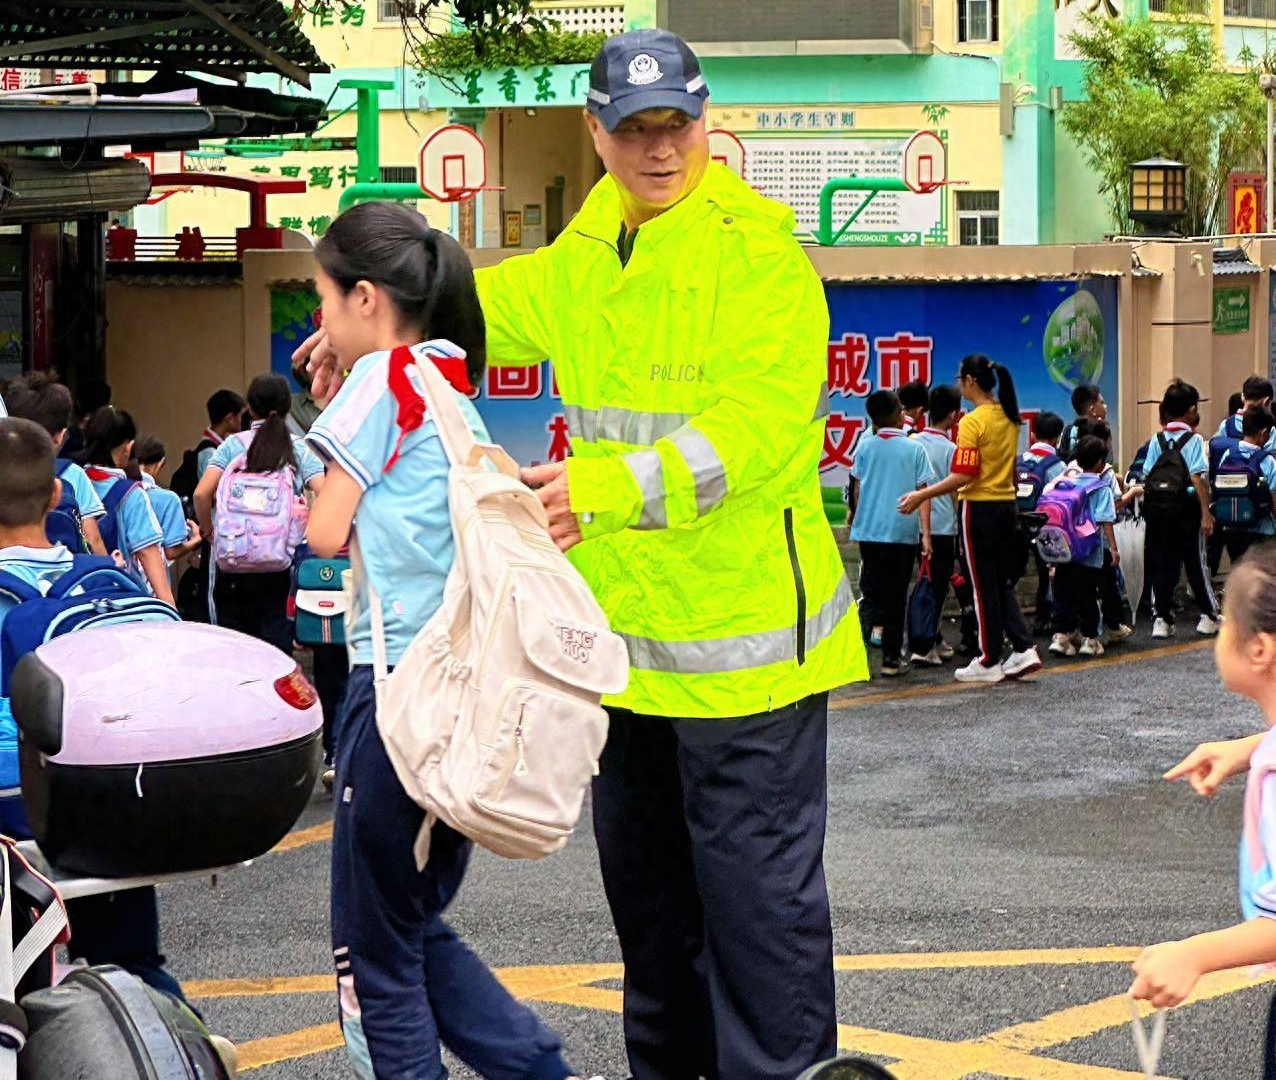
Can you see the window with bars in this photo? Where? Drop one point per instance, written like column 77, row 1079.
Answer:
column 978, row 218
column 398, row 174
column 605, row 18
column 1182, row 7
column 977, row 20
column 394, row 10
column 1250, row 9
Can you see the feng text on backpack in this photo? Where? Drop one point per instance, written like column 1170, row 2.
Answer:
column 1168, row 483
column 259, row 519
column 1070, row 533
column 492, row 717
column 1240, row 497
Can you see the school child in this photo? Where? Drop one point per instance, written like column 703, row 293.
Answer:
column 1243, row 514
column 1088, row 404
column 120, row 928
column 1245, row 653
column 1038, row 466
column 407, row 983
column 1176, row 506
column 1255, row 391
column 39, row 398
column 181, row 535
column 914, row 398
column 944, row 406
column 1078, row 584
column 888, row 465
column 983, row 478
column 129, row 526
column 257, row 603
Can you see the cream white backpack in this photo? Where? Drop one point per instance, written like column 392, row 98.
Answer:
column 492, row 718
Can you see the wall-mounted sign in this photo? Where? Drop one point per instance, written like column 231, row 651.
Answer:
column 1231, row 311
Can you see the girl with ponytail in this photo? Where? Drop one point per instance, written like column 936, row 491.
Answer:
column 395, row 294
column 983, row 478
column 257, row 603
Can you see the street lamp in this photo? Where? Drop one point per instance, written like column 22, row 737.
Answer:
column 1158, row 193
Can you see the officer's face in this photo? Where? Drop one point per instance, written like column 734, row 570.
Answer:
column 657, row 156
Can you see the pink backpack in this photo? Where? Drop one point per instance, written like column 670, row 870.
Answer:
column 259, row 520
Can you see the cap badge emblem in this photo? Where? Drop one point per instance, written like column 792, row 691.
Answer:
column 643, row 70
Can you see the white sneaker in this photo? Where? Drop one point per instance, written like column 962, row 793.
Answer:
column 945, row 650
column 1162, row 629
column 1019, row 664
column 975, row 672
column 1091, row 647
column 1061, row 645
column 1119, row 633
column 1207, row 626
column 930, row 659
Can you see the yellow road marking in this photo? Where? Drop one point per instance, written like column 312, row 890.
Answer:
column 1110, row 954
column 313, row 835
column 955, row 687
column 295, row 984
column 296, row 1044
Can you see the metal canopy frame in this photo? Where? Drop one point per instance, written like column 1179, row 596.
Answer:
column 227, row 37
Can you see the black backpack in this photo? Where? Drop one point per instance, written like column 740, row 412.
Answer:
column 186, row 477
column 1168, row 483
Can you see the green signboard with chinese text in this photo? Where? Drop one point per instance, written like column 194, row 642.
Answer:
column 1231, row 311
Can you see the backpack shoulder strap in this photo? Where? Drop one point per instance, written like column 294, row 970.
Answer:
column 1188, row 436
column 455, row 434
column 1163, row 441
column 16, row 589
column 96, row 571
column 117, row 493
column 60, row 467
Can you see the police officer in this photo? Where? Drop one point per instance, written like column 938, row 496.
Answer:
column 689, row 337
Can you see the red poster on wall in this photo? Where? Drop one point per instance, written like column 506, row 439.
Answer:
column 42, row 272
column 1245, row 202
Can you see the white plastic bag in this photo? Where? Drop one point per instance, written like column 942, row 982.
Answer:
column 1130, row 535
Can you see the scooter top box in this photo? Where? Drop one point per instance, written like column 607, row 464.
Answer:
column 127, row 695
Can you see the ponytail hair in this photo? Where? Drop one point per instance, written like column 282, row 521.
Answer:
column 271, row 449
column 989, row 376
column 108, row 429
column 426, row 273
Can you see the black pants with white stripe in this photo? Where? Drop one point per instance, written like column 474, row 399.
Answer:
column 988, row 532
column 1175, row 545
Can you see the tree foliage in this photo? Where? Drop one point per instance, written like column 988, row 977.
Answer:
column 457, row 52
column 1161, row 88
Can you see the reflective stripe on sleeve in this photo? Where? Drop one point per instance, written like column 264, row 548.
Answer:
column 648, row 471
column 622, row 425
column 739, row 653
column 706, row 467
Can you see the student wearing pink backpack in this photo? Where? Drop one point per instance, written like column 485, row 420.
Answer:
column 250, row 501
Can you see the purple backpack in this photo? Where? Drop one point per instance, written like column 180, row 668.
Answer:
column 259, row 520
column 1070, row 533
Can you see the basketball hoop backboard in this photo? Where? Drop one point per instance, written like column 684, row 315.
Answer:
column 161, row 162
column 452, row 164
column 925, row 163
column 726, row 149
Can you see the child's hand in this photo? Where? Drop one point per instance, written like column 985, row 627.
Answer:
column 1165, row 974
column 1206, row 767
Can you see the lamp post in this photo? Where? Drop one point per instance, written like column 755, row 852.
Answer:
column 1267, row 84
column 1158, row 194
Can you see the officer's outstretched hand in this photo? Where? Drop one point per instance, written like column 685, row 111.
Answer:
column 550, row 484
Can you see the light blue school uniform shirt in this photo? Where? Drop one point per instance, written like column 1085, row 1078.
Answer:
column 888, row 465
column 168, row 511
column 308, row 464
column 138, row 526
column 1195, row 453
column 1267, row 526
column 402, row 521
column 87, row 499
column 1102, row 512
column 39, row 567
column 939, row 454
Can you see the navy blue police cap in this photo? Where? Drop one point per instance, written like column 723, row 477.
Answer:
column 645, row 69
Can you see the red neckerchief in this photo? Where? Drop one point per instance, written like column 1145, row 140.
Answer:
column 94, row 472
column 1041, row 450
column 411, row 411
column 1178, row 425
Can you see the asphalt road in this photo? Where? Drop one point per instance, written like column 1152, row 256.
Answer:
column 996, row 856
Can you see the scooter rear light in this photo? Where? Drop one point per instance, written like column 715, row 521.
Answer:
column 295, row 690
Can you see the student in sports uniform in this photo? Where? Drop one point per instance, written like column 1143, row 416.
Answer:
column 1176, row 506
column 944, row 406
column 1256, row 391
column 40, row 399
column 914, row 398
column 181, row 535
column 130, row 526
column 1256, row 431
column 1088, row 404
column 983, row 478
column 407, row 983
column 1039, row 465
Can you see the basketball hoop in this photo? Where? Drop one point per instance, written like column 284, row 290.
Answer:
column 452, row 164
column 925, row 163
column 162, row 162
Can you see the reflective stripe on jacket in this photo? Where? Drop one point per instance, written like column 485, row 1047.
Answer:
column 693, row 380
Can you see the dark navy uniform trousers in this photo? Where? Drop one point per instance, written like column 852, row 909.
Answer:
column 711, row 839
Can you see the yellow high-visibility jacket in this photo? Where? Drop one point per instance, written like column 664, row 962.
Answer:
column 694, row 385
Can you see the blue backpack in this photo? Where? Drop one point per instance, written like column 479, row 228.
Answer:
column 94, row 592
column 1232, row 429
column 1239, row 495
column 1070, row 533
column 109, row 526
column 1030, row 479
column 64, row 524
